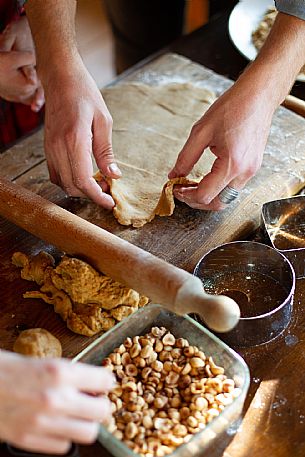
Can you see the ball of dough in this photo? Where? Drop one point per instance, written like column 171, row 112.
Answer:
column 38, row 342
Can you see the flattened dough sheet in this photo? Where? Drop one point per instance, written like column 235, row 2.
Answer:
column 151, row 124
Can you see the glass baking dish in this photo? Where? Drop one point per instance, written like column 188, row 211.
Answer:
column 140, row 323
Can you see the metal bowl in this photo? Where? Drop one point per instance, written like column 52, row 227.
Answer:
column 260, row 279
column 283, row 224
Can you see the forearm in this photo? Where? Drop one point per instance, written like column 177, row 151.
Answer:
column 53, row 27
column 279, row 61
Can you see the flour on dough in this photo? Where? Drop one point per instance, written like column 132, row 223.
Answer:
column 151, row 125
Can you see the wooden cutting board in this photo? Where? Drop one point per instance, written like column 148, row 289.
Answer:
column 181, row 239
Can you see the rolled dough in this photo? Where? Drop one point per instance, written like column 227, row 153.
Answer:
column 151, row 124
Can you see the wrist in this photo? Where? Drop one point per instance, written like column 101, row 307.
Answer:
column 263, row 81
column 60, row 67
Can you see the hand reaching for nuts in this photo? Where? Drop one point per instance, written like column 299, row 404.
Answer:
column 50, row 407
column 167, row 390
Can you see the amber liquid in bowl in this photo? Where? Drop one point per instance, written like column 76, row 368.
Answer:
column 254, row 292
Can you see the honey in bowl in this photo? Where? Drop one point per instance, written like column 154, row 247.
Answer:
column 254, row 292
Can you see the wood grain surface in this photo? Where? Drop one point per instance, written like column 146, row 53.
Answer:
column 124, row 262
column 275, row 408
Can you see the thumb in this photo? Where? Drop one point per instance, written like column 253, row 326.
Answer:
column 191, row 152
column 38, row 100
column 102, row 148
column 30, row 73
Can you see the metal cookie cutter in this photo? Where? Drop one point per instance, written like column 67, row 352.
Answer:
column 261, row 281
column 283, row 225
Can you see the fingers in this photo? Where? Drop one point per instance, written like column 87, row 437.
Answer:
column 92, row 190
column 56, row 388
column 15, row 86
column 104, row 185
column 68, row 402
column 38, row 100
column 191, row 152
column 89, row 378
column 70, row 166
column 195, row 196
column 77, row 125
column 54, row 433
column 30, row 74
column 201, row 196
column 190, row 197
column 78, row 431
column 234, row 165
column 54, row 176
column 21, row 58
column 82, row 170
column 102, row 145
column 86, row 378
column 42, row 444
column 214, row 182
column 50, row 408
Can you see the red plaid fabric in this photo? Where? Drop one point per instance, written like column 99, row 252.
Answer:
column 16, row 119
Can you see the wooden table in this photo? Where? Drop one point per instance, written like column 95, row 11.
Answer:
column 275, row 408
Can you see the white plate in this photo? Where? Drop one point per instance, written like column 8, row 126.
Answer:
column 243, row 20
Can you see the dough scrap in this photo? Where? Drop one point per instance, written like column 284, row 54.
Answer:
column 86, row 300
column 85, row 285
column 121, row 312
column 151, row 124
column 35, row 269
column 166, row 204
column 38, row 342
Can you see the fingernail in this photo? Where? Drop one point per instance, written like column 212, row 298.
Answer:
column 112, row 381
column 113, row 168
column 172, row 174
column 108, row 202
column 36, row 108
column 179, row 195
column 206, row 200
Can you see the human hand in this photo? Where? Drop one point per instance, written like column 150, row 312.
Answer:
column 14, row 85
column 25, row 86
column 44, row 404
column 77, row 125
column 235, row 128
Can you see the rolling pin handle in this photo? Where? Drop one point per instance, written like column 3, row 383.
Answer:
column 219, row 312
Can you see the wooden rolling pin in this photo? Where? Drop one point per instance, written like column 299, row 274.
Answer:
column 295, row 104
column 162, row 282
